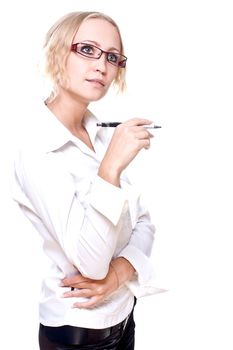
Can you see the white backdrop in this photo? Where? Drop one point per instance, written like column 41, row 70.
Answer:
column 180, row 75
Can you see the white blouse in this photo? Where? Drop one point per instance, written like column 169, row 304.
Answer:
column 84, row 221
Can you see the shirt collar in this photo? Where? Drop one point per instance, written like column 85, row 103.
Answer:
column 54, row 135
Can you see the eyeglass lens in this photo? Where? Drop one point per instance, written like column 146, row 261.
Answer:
column 95, row 52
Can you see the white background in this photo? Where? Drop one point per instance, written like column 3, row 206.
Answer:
column 180, row 75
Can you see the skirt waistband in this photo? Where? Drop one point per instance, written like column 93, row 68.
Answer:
column 68, row 335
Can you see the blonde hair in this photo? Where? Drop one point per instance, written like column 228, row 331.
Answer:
column 57, row 46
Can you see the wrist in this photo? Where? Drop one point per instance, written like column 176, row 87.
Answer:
column 115, row 274
column 123, row 269
column 109, row 174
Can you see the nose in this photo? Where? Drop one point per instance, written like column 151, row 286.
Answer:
column 101, row 63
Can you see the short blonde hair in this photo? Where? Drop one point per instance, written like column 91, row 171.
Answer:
column 57, row 46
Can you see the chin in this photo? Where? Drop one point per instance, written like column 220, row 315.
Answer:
column 97, row 96
column 87, row 96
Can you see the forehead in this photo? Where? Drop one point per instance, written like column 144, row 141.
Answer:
column 100, row 31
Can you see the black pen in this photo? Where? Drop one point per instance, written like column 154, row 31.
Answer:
column 114, row 124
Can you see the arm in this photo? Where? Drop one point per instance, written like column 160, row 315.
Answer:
column 86, row 228
column 135, row 256
column 138, row 251
column 120, row 271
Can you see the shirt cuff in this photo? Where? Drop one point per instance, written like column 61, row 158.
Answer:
column 109, row 200
column 140, row 291
column 143, row 283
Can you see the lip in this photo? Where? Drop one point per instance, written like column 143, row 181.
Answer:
column 96, row 81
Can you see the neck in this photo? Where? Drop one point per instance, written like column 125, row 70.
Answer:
column 68, row 110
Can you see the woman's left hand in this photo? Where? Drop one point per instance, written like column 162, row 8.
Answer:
column 95, row 290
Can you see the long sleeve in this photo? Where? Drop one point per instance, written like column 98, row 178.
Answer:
column 139, row 247
column 85, row 226
column 84, row 221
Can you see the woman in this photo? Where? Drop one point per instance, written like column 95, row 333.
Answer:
column 71, row 184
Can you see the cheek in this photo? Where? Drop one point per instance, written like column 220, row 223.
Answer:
column 72, row 66
column 112, row 74
column 75, row 71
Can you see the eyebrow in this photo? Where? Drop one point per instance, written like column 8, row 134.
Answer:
column 98, row 44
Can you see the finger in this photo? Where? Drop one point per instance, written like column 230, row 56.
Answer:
column 82, row 285
column 72, row 281
column 85, row 293
column 138, row 122
column 150, row 135
column 143, row 134
column 147, row 144
column 90, row 304
column 139, row 131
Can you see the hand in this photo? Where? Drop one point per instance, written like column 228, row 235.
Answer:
column 128, row 139
column 97, row 291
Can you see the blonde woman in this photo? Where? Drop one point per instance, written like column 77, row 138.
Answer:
column 71, row 184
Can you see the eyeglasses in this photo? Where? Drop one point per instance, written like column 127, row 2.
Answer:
column 92, row 51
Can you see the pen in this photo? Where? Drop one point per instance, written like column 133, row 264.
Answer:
column 114, row 124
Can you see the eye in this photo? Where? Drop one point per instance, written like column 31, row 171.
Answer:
column 87, row 50
column 112, row 57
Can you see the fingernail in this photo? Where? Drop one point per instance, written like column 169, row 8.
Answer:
column 66, row 295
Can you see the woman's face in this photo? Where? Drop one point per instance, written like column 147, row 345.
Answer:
column 89, row 78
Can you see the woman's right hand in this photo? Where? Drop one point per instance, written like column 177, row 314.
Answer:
column 128, row 139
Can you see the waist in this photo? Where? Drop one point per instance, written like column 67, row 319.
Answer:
column 55, row 311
